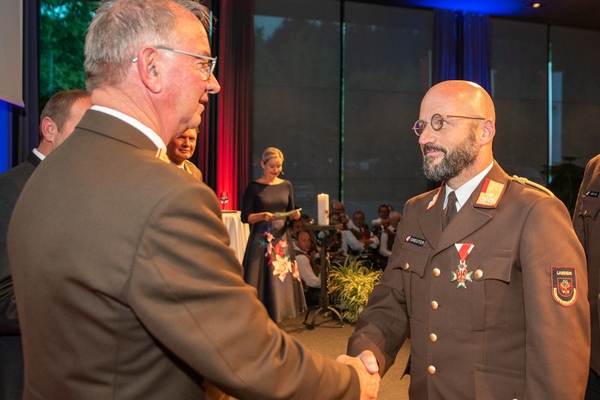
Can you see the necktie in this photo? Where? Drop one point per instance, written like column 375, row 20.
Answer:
column 450, row 210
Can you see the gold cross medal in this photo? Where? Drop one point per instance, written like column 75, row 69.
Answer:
column 462, row 274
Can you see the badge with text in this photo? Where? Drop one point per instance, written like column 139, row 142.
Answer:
column 462, row 274
column 590, row 193
column 564, row 285
column 415, row 240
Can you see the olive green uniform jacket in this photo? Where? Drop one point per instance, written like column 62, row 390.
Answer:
column 494, row 327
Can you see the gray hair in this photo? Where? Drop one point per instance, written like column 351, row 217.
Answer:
column 121, row 27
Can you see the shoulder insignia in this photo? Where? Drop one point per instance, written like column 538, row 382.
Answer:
column 490, row 194
column 525, row 181
column 161, row 155
column 564, row 286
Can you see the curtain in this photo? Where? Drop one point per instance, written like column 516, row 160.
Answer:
column 236, row 72
column 461, row 47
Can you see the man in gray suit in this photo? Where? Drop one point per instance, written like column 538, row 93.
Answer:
column 128, row 288
column 57, row 121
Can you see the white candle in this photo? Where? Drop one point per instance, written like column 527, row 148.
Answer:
column 323, row 209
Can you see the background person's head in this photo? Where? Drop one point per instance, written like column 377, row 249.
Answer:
column 60, row 116
column 272, row 163
column 383, row 211
column 358, row 218
column 182, row 147
column 303, row 240
column 395, row 218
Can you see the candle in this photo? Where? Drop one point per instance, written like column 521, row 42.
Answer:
column 323, row 209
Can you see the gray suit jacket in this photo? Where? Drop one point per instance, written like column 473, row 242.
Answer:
column 129, row 288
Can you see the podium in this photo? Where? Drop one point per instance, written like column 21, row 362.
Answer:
column 323, row 308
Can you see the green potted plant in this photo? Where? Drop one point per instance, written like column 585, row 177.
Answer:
column 350, row 286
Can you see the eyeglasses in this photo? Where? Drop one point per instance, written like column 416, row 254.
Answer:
column 437, row 122
column 207, row 67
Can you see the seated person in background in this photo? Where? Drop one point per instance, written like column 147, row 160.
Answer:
column 388, row 235
column 383, row 220
column 338, row 247
column 361, row 232
column 181, row 149
column 338, row 207
column 309, row 270
column 295, row 227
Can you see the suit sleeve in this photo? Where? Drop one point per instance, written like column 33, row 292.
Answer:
column 187, row 289
column 557, row 335
column 9, row 323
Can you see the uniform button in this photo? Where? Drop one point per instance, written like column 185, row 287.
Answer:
column 436, row 272
column 599, row 296
column 432, row 337
column 434, row 305
column 406, row 266
column 479, row 274
column 431, row 370
column 584, row 213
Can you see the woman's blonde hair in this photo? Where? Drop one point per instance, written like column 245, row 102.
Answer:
column 271, row 152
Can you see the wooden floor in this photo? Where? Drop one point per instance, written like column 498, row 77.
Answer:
column 330, row 340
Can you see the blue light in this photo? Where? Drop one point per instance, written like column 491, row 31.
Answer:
column 493, row 7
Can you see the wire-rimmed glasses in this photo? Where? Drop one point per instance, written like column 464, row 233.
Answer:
column 437, row 122
column 207, row 68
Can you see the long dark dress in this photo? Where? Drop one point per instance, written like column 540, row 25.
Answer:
column 269, row 261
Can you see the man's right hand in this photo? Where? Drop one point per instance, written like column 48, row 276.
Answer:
column 368, row 373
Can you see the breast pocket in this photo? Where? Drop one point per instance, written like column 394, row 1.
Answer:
column 490, row 304
column 412, row 262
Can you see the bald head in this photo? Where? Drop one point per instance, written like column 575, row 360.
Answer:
column 460, row 126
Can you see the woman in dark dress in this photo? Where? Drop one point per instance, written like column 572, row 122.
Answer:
column 269, row 262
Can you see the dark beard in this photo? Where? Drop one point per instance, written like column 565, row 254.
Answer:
column 453, row 162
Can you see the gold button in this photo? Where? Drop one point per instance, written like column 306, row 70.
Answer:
column 584, row 213
column 406, row 266
column 599, row 296
column 432, row 337
column 479, row 274
column 434, row 305
column 436, row 272
column 431, row 370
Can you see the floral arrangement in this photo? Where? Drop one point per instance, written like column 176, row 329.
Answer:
column 279, row 258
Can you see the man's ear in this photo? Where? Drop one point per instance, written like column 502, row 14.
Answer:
column 49, row 129
column 489, row 131
column 150, row 69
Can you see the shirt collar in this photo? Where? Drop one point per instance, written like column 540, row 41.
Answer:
column 153, row 136
column 38, row 154
column 464, row 192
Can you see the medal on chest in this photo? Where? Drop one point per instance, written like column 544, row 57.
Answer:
column 462, row 275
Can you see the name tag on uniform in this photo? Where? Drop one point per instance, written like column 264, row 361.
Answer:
column 592, row 194
column 415, row 240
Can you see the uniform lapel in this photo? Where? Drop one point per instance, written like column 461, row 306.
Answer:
column 430, row 221
column 474, row 214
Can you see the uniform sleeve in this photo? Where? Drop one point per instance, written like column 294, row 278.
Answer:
column 187, row 289
column 557, row 335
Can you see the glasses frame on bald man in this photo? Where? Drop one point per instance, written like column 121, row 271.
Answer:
column 210, row 61
column 437, row 122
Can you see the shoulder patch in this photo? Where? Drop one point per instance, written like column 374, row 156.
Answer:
column 564, row 285
column 434, row 200
column 161, row 155
column 525, row 181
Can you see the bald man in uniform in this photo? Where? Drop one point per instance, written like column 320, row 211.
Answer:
column 487, row 275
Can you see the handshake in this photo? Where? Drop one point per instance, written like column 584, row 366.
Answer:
column 367, row 369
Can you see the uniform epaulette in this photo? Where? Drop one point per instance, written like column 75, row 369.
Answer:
column 525, row 181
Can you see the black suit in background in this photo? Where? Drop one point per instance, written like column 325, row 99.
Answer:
column 11, row 353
